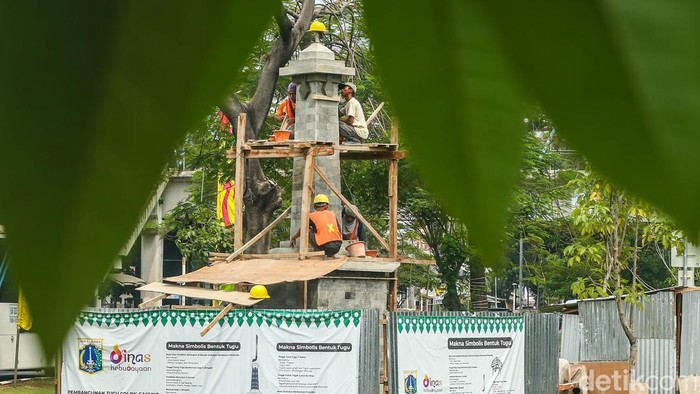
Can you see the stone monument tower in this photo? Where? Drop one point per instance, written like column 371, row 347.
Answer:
column 317, row 74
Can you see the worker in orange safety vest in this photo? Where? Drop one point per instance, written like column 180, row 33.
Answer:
column 325, row 230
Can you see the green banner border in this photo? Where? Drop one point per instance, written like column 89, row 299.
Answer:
column 459, row 324
column 240, row 318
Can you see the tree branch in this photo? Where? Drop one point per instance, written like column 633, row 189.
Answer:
column 281, row 52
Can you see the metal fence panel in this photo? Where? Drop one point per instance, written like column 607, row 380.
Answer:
column 657, row 317
column 655, row 327
column 656, row 364
column 602, row 334
column 690, row 331
column 541, row 353
column 541, row 343
column 570, row 337
column 392, row 352
column 370, row 353
column 603, row 338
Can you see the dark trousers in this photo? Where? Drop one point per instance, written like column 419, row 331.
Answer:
column 330, row 248
column 349, row 133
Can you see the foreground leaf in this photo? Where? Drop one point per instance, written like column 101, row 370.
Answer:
column 620, row 78
column 457, row 104
column 95, row 96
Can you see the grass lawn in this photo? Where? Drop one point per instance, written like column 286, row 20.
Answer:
column 36, row 386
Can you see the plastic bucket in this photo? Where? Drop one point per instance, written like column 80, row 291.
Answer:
column 356, row 249
column 371, row 252
column 282, row 135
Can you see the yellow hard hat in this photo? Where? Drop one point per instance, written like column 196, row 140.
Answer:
column 317, row 27
column 258, row 292
column 321, row 199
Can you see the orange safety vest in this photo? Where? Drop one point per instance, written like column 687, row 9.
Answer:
column 288, row 107
column 326, row 227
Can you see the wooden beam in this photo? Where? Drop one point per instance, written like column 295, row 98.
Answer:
column 373, row 155
column 239, row 182
column 214, row 256
column 374, row 114
column 367, row 147
column 395, row 290
column 306, row 294
column 393, row 207
column 283, row 153
column 153, row 300
column 261, row 144
column 216, row 320
column 385, row 353
column 394, row 212
column 256, row 238
column 348, row 204
column 59, row 366
column 306, row 188
column 416, row 262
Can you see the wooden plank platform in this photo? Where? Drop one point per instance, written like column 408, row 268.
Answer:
column 373, row 155
column 280, row 149
column 234, row 297
column 366, row 147
column 259, row 149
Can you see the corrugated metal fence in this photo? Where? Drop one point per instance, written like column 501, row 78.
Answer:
column 600, row 337
column 370, row 352
column 690, row 330
column 541, row 349
column 570, row 338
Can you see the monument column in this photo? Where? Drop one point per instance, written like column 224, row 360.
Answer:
column 317, row 74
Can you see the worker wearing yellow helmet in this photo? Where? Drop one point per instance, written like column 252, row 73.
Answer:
column 325, row 231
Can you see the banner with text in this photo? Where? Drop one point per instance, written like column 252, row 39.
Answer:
column 455, row 354
column 249, row 351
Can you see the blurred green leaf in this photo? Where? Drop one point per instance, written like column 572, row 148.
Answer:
column 95, row 96
column 620, row 79
column 458, row 105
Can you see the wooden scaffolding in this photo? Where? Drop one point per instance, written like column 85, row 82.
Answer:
column 309, row 150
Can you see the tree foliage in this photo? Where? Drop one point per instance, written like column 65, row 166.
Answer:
column 612, row 227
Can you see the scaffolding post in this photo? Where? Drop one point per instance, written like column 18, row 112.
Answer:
column 394, row 215
column 239, row 182
column 309, row 164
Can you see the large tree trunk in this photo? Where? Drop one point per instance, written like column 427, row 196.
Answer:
column 262, row 197
column 451, row 300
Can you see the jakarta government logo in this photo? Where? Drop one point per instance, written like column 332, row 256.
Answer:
column 410, row 382
column 90, row 355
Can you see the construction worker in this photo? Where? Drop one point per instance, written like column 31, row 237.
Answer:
column 287, row 109
column 353, row 126
column 352, row 229
column 325, row 230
